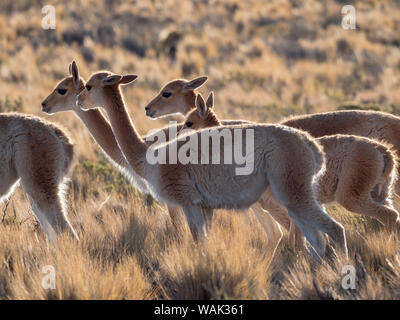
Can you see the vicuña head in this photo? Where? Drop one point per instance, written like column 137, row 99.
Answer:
column 175, row 97
column 203, row 115
column 99, row 86
column 63, row 97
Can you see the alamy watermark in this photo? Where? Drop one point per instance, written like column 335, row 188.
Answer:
column 49, row 280
column 203, row 147
column 49, row 19
column 349, row 277
column 349, row 18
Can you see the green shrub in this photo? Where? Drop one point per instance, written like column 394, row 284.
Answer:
column 110, row 177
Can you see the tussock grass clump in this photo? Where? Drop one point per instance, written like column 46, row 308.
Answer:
column 232, row 263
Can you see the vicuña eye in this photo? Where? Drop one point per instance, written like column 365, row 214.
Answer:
column 189, row 124
column 62, row 91
column 166, row 94
column 88, row 87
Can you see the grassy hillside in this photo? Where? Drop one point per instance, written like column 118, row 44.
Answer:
column 266, row 60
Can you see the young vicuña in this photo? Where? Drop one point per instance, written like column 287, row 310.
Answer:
column 360, row 172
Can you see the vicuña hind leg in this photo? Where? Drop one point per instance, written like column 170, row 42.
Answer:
column 8, row 182
column 50, row 212
column 314, row 237
column 298, row 197
column 280, row 214
column 313, row 214
column 387, row 215
column 276, row 210
column 357, row 196
column 296, row 238
column 42, row 183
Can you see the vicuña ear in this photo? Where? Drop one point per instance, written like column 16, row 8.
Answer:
column 200, row 105
column 128, row 79
column 210, row 100
column 111, row 80
column 195, row 83
column 75, row 73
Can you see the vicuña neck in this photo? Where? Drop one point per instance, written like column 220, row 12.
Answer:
column 189, row 103
column 102, row 133
column 212, row 120
column 129, row 141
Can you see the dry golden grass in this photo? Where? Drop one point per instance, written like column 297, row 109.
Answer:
column 265, row 60
column 128, row 250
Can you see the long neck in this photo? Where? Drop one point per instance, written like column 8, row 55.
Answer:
column 212, row 120
column 102, row 133
column 189, row 102
column 129, row 141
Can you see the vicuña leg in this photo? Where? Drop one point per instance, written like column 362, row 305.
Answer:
column 43, row 185
column 208, row 216
column 296, row 238
column 176, row 216
column 196, row 221
column 8, row 181
column 280, row 214
column 49, row 210
column 270, row 226
column 387, row 215
column 362, row 202
column 276, row 210
column 298, row 197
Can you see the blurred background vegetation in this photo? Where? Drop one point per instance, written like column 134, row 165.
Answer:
column 265, row 59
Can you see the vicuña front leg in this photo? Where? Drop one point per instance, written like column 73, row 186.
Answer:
column 196, row 221
column 208, row 216
column 271, row 227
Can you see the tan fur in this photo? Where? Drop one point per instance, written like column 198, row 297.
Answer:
column 39, row 155
column 360, row 173
column 371, row 124
column 199, row 189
